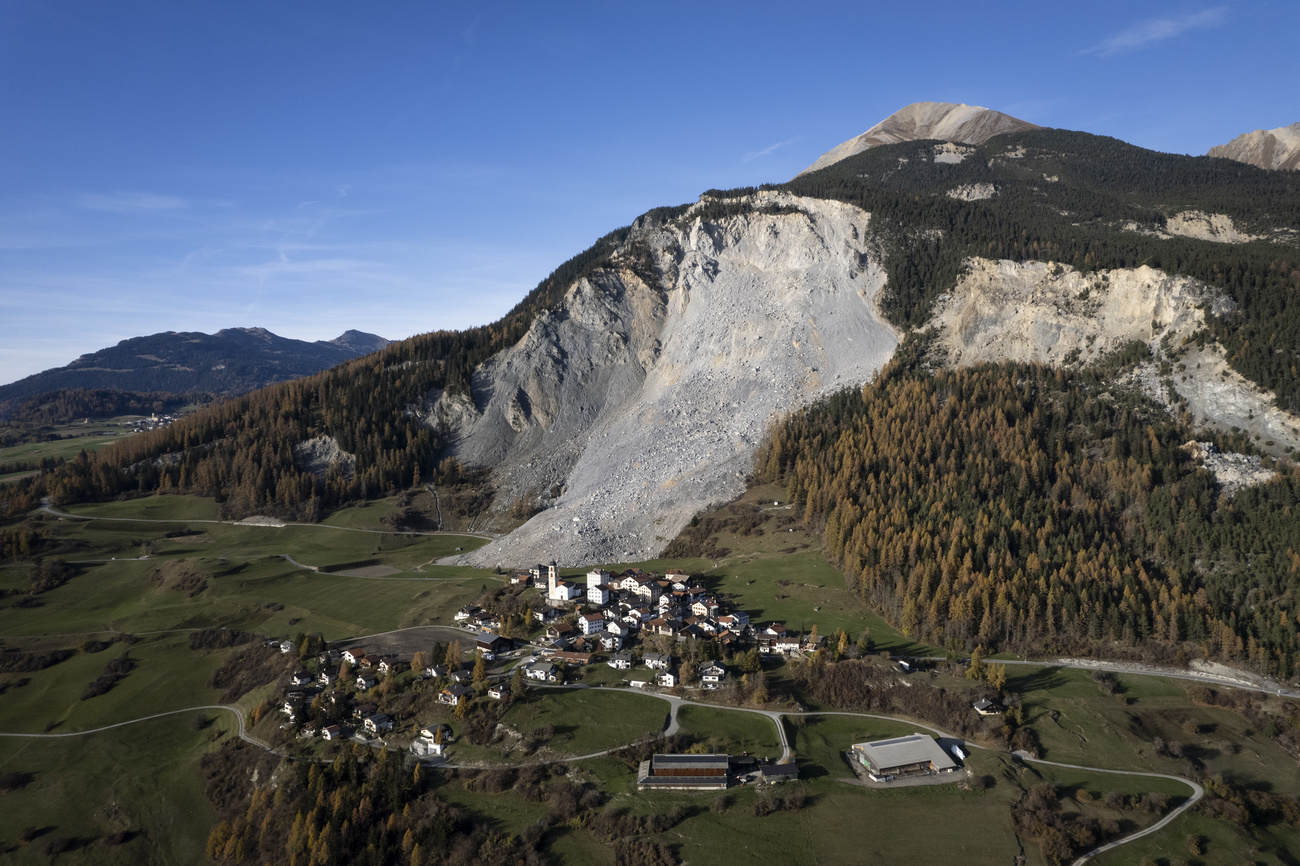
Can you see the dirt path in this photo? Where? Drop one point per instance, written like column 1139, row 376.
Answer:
column 267, row 523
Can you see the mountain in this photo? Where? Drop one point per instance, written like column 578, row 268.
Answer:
column 633, row 387
column 231, row 361
column 1265, row 148
column 945, row 121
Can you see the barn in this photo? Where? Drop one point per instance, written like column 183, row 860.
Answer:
column 900, row 757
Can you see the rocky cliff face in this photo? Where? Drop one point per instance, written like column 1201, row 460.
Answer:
column 641, row 400
column 1033, row 311
column 1266, row 148
column 946, row 121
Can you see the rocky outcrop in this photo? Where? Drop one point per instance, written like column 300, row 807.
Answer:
column 1233, row 472
column 1034, row 311
column 641, row 400
column 1265, row 148
column 1214, row 227
column 950, row 122
column 319, row 455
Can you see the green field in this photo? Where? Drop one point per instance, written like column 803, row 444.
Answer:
column 66, row 448
column 168, row 675
column 730, row 731
column 84, row 787
column 143, row 779
column 1077, row 723
column 250, row 584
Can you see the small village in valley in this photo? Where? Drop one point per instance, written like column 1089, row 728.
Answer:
column 663, row 635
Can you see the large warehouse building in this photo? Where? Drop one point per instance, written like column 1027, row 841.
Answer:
column 900, row 757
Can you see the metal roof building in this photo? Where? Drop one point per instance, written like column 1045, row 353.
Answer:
column 914, row 755
column 684, row 772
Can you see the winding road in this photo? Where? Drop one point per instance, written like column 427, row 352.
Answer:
column 675, row 704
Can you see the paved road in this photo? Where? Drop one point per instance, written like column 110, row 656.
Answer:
column 675, row 704
column 243, row 733
column 1197, row 793
column 1259, row 684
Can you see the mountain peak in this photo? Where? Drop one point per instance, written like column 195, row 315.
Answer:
column 949, row 121
column 1265, row 148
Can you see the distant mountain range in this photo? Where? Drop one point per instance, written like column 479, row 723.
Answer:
column 231, row 361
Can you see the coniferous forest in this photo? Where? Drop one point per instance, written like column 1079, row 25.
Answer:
column 1028, row 508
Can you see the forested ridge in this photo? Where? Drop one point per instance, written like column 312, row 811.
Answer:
column 69, row 404
column 1066, row 197
column 242, row 450
column 1034, row 509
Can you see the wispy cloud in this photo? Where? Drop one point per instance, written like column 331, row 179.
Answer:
column 768, row 151
column 130, row 202
column 1154, row 30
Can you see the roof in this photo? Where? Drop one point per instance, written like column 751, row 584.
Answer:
column 693, row 762
column 901, row 751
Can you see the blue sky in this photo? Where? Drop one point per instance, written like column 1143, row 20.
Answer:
column 400, row 167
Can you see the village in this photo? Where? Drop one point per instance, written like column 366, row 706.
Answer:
column 664, row 634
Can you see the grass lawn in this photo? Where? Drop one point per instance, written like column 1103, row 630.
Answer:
column 248, row 589
column 1078, row 723
column 65, row 448
column 844, row 824
column 730, row 731
column 1222, row 842
column 588, row 720
column 821, row 741
column 144, row 779
column 168, row 675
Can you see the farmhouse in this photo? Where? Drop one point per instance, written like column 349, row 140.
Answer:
column 491, row 645
column 900, row 757
column 683, row 773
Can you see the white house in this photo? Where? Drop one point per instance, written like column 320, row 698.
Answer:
column 423, row 748
column 379, row 723
column 591, row 623
column 712, row 674
column 598, row 594
column 542, row 672
column 620, row 661
column 667, row 679
column 598, row 577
